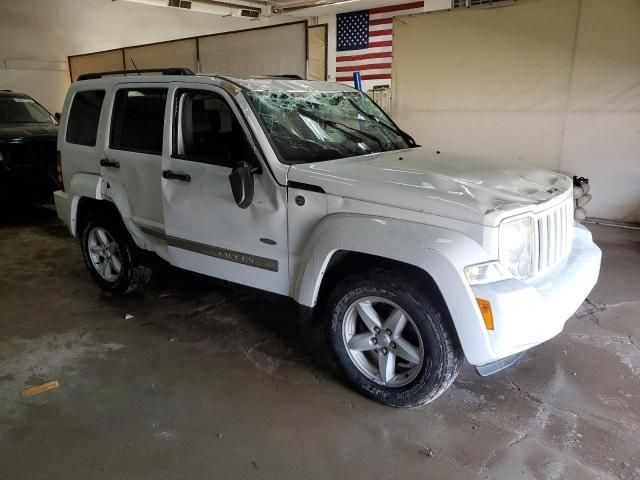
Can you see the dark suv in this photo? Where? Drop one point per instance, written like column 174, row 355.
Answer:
column 28, row 136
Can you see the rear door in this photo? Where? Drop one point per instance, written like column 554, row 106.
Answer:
column 132, row 160
column 205, row 230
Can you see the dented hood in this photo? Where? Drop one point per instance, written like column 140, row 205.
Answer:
column 455, row 186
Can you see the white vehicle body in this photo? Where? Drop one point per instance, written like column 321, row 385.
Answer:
column 439, row 213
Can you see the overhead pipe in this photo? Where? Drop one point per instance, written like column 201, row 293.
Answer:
column 311, row 4
column 266, row 7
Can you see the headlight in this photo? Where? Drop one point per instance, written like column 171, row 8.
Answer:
column 516, row 246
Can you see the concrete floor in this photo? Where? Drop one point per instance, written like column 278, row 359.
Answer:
column 211, row 381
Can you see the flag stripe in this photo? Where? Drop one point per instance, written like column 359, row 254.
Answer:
column 373, row 71
column 394, row 14
column 381, row 38
column 355, row 68
column 364, row 56
column 395, row 8
column 386, row 43
column 375, row 28
column 383, row 76
column 377, row 33
column 365, row 51
column 381, row 21
column 386, row 59
column 350, row 67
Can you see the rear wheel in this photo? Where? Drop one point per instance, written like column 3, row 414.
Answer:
column 392, row 342
column 114, row 261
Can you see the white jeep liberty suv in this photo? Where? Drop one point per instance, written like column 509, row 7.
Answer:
column 307, row 189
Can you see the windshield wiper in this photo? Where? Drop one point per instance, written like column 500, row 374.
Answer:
column 407, row 138
column 346, row 129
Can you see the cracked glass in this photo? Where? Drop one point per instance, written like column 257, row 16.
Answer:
column 306, row 127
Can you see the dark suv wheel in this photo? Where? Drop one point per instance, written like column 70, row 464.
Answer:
column 114, row 261
column 391, row 341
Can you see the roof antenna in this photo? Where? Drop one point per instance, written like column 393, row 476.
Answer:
column 134, row 65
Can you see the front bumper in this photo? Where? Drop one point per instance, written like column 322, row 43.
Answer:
column 527, row 313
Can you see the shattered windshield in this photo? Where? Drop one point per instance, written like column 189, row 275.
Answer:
column 307, row 127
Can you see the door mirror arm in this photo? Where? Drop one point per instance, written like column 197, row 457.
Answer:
column 241, row 180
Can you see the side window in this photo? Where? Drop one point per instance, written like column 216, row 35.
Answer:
column 138, row 120
column 84, row 116
column 209, row 131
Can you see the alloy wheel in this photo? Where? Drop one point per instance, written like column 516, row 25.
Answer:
column 383, row 341
column 104, row 254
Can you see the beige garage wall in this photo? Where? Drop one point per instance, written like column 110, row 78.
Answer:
column 544, row 82
column 267, row 51
column 602, row 131
column 317, row 49
column 179, row 53
column 96, row 62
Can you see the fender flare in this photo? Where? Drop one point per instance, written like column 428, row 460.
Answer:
column 88, row 185
column 440, row 252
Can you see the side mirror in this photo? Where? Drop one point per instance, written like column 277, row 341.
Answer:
column 241, row 179
column 57, row 116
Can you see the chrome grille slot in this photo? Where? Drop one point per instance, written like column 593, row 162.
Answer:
column 553, row 236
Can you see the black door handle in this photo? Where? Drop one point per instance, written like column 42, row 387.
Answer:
column 109, row 163
column 169, row 175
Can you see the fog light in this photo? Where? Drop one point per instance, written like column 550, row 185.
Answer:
column 485, row 310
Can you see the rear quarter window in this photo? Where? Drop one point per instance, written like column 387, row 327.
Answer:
column 138, row 120
column 84, row 117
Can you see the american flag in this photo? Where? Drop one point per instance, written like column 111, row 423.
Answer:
column 364, row 41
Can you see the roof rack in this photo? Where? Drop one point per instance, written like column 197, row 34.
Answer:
column 163, row 71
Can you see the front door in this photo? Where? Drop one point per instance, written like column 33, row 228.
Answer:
column 205, row 230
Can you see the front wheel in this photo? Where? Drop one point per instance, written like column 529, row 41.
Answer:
column 391, row 341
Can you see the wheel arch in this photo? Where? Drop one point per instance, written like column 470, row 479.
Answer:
column 347, row 262
column 88, row 208
column 86, row 196
column 344, row 243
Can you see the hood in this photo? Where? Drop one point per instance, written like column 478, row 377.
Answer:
column 451, row 185
column 25, row 132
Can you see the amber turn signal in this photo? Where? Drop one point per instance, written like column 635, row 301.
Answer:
column 485, row 310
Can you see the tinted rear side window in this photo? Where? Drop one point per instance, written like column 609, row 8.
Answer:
column 84, row 116
column 138, row 120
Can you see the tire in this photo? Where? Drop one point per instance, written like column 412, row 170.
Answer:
column 134, row 271
column 427, row 328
